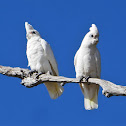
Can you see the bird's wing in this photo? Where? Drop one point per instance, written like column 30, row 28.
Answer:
column 50, row 56
column 75, row 58
column 98, row 63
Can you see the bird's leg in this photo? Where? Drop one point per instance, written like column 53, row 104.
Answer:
column 37, row 77
column 32, row 71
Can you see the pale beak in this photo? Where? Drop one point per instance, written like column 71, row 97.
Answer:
column 96, row 41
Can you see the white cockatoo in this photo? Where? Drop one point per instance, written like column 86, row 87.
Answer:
column 87, row 64
column 41, row 59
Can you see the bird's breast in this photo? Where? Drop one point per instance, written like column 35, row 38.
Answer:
column 35, row 54
column 89, row 62
column 34, row 48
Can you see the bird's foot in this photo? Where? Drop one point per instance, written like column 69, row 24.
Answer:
column 31, row 72
column 86, row 79
column 37, row 77
column 83, row 77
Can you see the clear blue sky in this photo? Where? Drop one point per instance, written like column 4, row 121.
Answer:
column 63, row 24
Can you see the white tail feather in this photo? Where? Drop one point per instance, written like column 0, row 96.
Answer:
column 54, row 89
column 90, row 95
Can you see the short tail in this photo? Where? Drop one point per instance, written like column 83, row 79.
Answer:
column 54, row 89
column 90, row 92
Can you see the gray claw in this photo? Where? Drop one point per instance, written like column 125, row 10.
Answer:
column 81, row 78
column 37, row 77
column 32, row 71
column 86, row 78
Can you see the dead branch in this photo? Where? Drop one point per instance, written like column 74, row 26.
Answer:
column 109, row 88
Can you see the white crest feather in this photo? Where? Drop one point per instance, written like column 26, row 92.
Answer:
column 93, row 28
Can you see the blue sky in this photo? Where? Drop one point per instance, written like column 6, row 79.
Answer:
column 63, row 24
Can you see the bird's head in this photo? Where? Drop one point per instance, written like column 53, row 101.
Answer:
column 30, row 31
column 92, row 37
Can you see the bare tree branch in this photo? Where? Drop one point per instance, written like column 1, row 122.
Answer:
column 109, row 88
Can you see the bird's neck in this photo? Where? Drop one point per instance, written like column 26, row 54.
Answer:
column 34, row 38
column 88, row 50
column 89, row 46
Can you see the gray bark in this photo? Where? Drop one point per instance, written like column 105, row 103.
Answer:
column 109, row 88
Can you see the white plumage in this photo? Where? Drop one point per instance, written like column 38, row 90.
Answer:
column 41, row 58
column 88, row 63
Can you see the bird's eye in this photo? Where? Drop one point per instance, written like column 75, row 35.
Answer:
column 33, row 32
column 91, row 35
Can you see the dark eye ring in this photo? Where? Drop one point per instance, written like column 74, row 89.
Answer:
column 92, row 36
column 33, row 32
